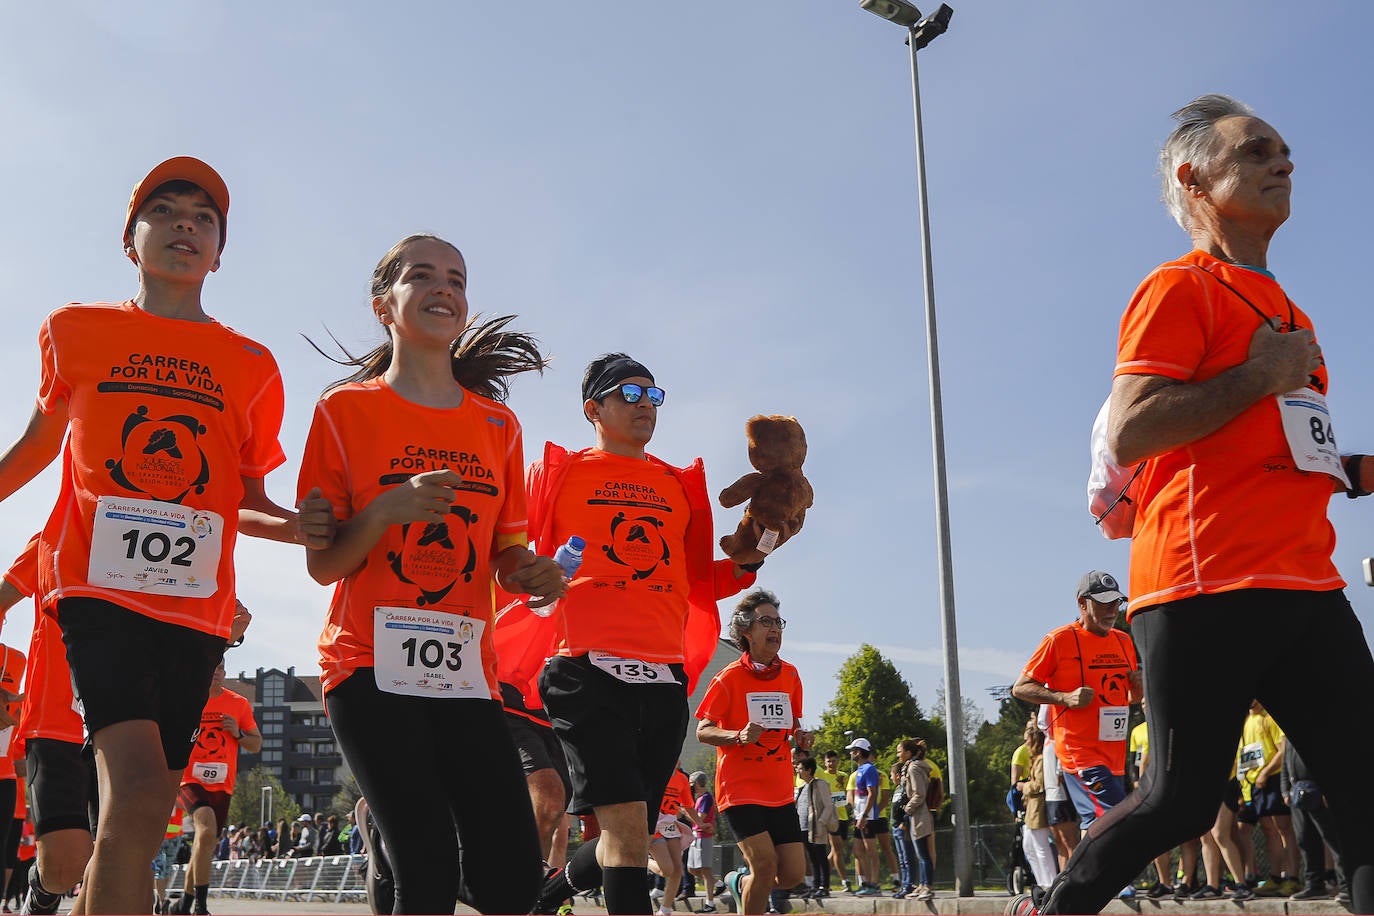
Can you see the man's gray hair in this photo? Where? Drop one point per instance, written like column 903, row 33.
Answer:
column 1193, row 141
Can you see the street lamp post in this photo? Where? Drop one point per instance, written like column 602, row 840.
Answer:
column 921, row 32
column 265, row 808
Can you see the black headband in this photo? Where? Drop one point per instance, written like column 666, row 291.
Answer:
column 616, row 371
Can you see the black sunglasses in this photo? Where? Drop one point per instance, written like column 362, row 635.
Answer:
column 632, row 393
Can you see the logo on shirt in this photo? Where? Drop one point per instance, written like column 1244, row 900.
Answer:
column 160, row 457
column 435, row 555
column 636, row 542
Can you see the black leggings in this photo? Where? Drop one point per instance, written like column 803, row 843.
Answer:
column 820, row 864
column 1312, row 671
column 443, row 781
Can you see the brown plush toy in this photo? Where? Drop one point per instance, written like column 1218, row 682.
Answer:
column 778, row 493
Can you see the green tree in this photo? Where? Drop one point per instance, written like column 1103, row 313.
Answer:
column 246, row 805
column 346, row 798
column 873, row 702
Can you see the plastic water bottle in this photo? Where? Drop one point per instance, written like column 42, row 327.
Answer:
column 569, row 558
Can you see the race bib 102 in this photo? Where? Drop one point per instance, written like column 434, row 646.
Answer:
column 143, row 545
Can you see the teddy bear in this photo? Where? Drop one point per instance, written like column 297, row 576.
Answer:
column 778, row 493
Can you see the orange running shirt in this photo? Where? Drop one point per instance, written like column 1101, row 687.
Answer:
column 1068, row 658
column 214, row 761
column 759, row 773
column 49, row 710
column 11, row 680
column 633, row 515
column 677, row 795
column 1228, row 511
column 366, row 439
column 159, row 410
column 23, row 573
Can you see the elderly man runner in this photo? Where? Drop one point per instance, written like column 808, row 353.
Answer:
column 1220, row 390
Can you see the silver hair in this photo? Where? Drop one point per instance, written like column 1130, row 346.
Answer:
column 1193, row 141
column 743, row 618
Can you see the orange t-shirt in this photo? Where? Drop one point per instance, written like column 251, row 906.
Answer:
column 49, row 709
column 366, row 439
column 631, row 599
column 160, row 411
column 23, row 573
column 1229, row 510
column 1068, row 658
column 677, row 795
column 214, row 761
column 759, row 773
column 11, row 680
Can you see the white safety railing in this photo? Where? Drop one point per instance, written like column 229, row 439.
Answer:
column 332, row 879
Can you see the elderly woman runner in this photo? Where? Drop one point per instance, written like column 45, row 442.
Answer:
column 750, row 710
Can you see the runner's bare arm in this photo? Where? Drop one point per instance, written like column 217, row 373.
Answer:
column 1151, row 414
column 423, row 498
column 260, row 517
column 33, row 451
column 708, row 732
column 1028, row 690
column 520, row 571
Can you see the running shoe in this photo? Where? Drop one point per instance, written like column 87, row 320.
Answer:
column 846, row 886
column 1127, row 892
column 37, row 900
column 868, row 890
column 1206, row 892
column 924, row 893
column 565, row 910
column 1242, row 892
column 1183, row 891
column 732, row 883
column 1158, row 890
column 1312, row 892
column 707, row 908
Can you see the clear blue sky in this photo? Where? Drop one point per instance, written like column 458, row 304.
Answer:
column 727, row 191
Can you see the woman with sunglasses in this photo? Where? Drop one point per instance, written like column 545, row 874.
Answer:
column 621, row 653
column 750, row 710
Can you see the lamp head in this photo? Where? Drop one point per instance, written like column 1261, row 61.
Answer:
column 898, row 11
column 933, row 26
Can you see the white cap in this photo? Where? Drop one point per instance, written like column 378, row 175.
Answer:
column 861, row 743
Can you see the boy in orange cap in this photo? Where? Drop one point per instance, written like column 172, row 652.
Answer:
column 173, row 422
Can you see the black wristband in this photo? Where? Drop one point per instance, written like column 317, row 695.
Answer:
column 1351, row 463
column 750, row 567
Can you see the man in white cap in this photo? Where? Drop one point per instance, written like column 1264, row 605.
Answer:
column 1086, row 671
column 867, row 790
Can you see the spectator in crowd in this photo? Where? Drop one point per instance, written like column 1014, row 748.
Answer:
column 1313, row 827
column 699, row 854
column 905, row 875
column 264, row 846
column 1258, row 764
column 163, row 863
column 1063, row 816
column 839, row 794
column 665, row 846
column 1220, row 396
column 865, row 791
column 329, row 837
column 302, row 838
column 816, row 817
column 920, row 820
column 1035, row 831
